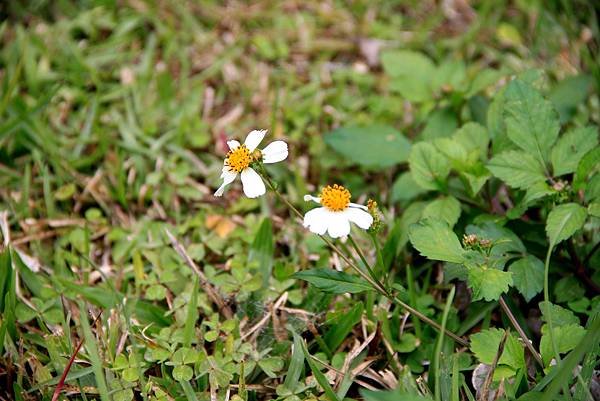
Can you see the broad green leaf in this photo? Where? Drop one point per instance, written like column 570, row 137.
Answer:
column 563, row 221
column 566, row 337
column 450, row 76
column 377, row 146
column 588, row 167
column 446, row 208
column 441, row 123
column 271, row 365
column 560, row 315
column 476, row 178
column 571, row 147
column 455, row 152
column 410, row 74
column 594, row 209
column 486, row 343
column 564, row 372
column 528, row 276
column 569, row 93
column 333, row 281
column 488, row 283
column 517, row 169
column 342, row 326
column 473, row 137
column 537, row 191
column 261, row 251
column 183, row 373
column 429, row 168
column 405, row 188
column 411, row 215
column 435, row 240
column 568, row 289
column 531, row 121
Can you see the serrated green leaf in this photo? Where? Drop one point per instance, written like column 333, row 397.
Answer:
column 571, row 147
column 588, row 167
column 446, row 208
column 566, row 337
column 560, row 315
column 531, row 121
column 518, row 169
column 488, row 283
column 485, row 346
column 568, row 289
column 528, row 276
column 563, row 221
column 405, row 188
column 377, row 146
column 429, row 168
column 333, row 281
column 435, row 240
column 473, row 137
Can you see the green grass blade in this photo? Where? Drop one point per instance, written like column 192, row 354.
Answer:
column 92, row 349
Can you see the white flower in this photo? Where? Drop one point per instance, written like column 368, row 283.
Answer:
column 336, row 214
column 240, row 157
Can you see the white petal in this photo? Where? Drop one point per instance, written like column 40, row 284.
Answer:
column 252, row 184
column 312, row 198
column 359, row 217
column 363, row 207
column 339, row 226
column 317, row 220
column 233, row 144
column 275, row 152
column 228, row 177
column 254, row 138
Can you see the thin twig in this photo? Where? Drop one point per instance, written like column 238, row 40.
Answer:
column 522, row 334
column 483, row 395
column 212, row 294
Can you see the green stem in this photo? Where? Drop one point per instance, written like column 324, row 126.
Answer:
column 413, row 298
column 377, row 286
column 364, row 260
column 440, row 344
column 548, row 306
column 378, row 253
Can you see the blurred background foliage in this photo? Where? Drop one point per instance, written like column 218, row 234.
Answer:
column 114, row 117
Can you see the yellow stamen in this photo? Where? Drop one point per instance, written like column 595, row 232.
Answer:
column 335, row 198
column 239, row 158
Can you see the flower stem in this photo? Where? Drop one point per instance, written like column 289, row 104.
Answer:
column 376, row 285
column 364, row 260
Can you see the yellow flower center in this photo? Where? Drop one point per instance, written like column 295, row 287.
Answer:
column 239, row 158
column 335, row 198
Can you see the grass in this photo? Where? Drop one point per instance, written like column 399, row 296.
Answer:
column 114, row 118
